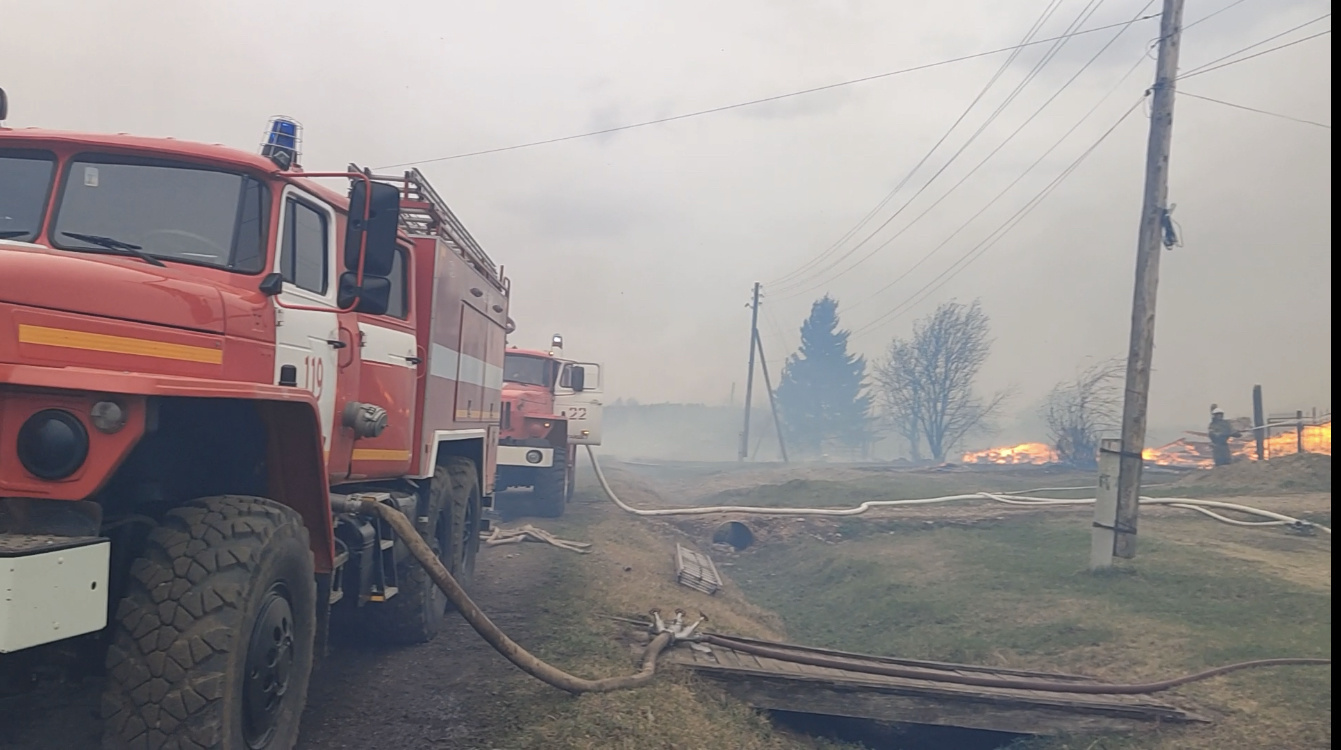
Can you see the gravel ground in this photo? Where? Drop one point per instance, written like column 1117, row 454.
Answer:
column 438, row 695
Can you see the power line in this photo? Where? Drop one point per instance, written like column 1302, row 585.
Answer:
column 989, row 157
column 1268, row 51
column 1206, row 66
column 1008, row 188
column 817, row 259
column 986, row 244
column 1254, row 109
column 1209, row 16
column 792, row 287
column 1029, row 207
column 753, row 102
column 804, row 285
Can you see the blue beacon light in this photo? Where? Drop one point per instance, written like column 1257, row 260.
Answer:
column 281, row 142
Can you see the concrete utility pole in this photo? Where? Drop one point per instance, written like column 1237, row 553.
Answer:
column 772, row 402
column 1154, row 213
column 749, row 380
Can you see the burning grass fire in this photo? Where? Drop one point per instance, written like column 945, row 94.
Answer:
column 1183, row 453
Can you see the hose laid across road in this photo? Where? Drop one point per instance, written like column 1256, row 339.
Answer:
column 562, row 680
column 523, row 659
column 964, row 678
column 1187, row 503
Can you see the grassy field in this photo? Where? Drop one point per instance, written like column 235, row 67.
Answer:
column 1015, row 592
column 990, row 585
column 628, row 572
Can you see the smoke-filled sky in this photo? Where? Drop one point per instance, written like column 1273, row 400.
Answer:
column 640, row 246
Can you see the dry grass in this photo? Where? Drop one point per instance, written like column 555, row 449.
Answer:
column 629, row 571
column 1016, row 593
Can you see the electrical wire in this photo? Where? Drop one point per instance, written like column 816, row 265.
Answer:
column 803, row 286
column 979, row 250
column 1029, row 34
column 749, row 103
column 1201, row 70
column 991, row 155
column 1207, row 65
column 1254, row 109
column 986, row 244
column 793, row 289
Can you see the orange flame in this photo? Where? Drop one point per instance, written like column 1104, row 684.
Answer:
column 1024, row 453
column 1182, row 453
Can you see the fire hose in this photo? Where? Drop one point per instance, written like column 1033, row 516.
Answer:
column 555, row 677
column 1201, row 506
column 961, row 678
column 510, row 649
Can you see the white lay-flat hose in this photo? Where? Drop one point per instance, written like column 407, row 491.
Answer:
column 1009, row 498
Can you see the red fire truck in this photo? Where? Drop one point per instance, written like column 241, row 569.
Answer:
column 202, row 351
column 551, row 405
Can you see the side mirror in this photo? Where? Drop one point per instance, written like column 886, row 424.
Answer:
column 577, row 378
column 373, row 297
column 272, row 284
column 380, row 227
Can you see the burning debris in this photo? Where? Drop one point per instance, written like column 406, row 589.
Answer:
column 1024, row 453
column 1183, row 453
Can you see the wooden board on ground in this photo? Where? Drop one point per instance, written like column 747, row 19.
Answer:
column 777, row 685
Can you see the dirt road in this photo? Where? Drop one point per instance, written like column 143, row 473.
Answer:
column 450, row 693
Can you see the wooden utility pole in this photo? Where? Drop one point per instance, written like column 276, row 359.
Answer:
column 749, row 380
column 772, row 403
column 1259, row 423
column 1153, row 215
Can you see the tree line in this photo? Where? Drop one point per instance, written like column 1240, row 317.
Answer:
column 924, row 390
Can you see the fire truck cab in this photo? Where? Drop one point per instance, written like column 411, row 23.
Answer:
column 202, row 351
column 551, row 405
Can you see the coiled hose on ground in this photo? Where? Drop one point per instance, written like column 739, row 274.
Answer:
column 1201, row 506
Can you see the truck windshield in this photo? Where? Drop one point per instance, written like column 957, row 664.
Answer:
column 527, row 370
column 25, row 183
column 169, row 211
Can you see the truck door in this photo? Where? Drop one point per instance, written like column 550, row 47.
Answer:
column 388, row 365
column 581, row 408
column 309, row 342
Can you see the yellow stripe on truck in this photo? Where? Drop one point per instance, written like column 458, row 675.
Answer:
column 379, row 454
column 100, row 342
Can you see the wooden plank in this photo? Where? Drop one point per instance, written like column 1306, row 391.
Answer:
column 779, row 695
column 786, row 686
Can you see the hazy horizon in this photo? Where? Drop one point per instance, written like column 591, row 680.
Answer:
column 641, row 246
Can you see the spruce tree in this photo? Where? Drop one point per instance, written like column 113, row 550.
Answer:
column 822, row 396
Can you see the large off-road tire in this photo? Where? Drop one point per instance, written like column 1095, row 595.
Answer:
column 212, row 644
column 550, row 490
column 417, row 611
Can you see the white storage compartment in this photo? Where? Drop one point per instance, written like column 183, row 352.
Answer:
column 51, row 588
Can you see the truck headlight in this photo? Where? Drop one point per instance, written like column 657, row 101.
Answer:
column 52, row 444
column 534, row 457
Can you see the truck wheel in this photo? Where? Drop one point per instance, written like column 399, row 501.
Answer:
column 551, row 487
column 417, row 611
column 212, row 644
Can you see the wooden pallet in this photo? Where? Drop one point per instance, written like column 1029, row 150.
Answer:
column 696, row 570
column 778, row 685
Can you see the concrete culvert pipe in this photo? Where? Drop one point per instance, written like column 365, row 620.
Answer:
column 734, row 533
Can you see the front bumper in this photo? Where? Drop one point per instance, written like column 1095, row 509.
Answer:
column 51, row 588
column 525, row 456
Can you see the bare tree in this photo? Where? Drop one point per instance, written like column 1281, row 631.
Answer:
column 1077, row 411
column 899, row 396
column 927, row 382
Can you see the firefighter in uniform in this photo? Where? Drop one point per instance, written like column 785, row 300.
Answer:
column 1220, row 432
